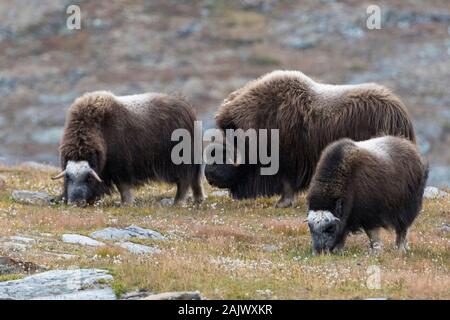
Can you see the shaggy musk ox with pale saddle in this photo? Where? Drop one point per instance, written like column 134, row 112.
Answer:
column 368, row 185
column 309, row 116
column 124, row 141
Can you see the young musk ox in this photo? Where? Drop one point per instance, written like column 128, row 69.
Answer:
column 309, row 116
column 124, row 141
column 371, row 184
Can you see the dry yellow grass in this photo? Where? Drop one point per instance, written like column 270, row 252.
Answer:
column 225, row 248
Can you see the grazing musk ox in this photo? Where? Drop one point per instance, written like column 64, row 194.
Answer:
column 371, row 184
column 309, row 116
column 124, row 141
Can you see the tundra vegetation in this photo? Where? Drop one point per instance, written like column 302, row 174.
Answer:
column 223, row 248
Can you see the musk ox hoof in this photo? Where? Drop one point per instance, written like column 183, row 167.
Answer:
column 403, row 248
column 284, row 203
column 199, row 200
column 128, row 203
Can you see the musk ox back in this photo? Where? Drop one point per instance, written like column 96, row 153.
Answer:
column 372, row 184
column 124, row 141
column 309, row 116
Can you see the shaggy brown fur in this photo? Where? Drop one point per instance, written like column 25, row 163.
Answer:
column 309, row 116
column 378, row 183
column 127, row 140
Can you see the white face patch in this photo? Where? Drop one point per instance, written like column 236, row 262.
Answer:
column 379, row 147
column 317, row 217
column 77, row 168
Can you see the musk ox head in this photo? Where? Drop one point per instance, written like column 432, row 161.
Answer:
column 326, row 229
column 81, row 183
column 223, row 170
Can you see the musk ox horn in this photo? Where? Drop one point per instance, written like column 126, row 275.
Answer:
column 238, row 161
column 59, row 175
column 95, row 175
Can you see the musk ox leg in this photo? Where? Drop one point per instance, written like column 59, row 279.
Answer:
column 339, row 248
column 287, row 197
column 182, row 190
column 125, row 193
column 197, row 190
column 401, row 242
column 375, row 242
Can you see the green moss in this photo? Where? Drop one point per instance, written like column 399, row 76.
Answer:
column 9, row 277
column 119, row 288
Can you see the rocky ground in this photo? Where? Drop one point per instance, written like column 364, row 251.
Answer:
column 222, row 249
column 205, row 49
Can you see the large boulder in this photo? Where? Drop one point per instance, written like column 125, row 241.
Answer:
column 79, row 239
column 127, row 233
column 72, row 284
column 31, row 197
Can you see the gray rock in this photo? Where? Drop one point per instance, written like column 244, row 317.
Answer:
column 145, row 233
column 188, row 295
column 111, row 234
column 127, row 233
column 23, row 239
column 89, row 294
column 138, row 248
column 434, row 193
column 59, row 284
column 166, row 202
column 31, row 197
column 79, row 239
column 220, row 193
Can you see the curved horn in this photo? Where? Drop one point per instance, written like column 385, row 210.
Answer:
column 238, row 161
column 59, row 175
column 95, row 175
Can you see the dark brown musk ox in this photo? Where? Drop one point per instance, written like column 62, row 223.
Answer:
column 309, row 116
column 368, row 185
column 124, row 141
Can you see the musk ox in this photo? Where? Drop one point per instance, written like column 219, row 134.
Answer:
column 368, row 185
column 309, row 116
column 124, row 141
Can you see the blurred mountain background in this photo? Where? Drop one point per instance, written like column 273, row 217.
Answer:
column 206, row 49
